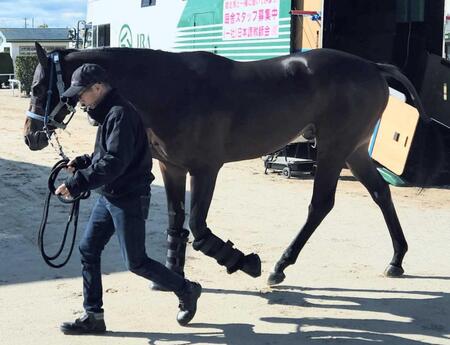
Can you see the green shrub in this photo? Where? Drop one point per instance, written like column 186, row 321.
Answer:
column 25, row 66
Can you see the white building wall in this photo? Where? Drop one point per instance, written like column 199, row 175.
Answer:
column 14, row 53
column 155, row 24
column 5, row 46
column 3, row 43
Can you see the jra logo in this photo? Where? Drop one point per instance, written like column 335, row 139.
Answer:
column 126, row 38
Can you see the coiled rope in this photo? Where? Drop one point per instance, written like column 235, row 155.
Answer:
column 74, row 212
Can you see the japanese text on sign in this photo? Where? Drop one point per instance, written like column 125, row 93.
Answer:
column 250, row 19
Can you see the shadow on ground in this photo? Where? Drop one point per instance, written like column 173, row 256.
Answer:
column 398, row 318
column 23, row 188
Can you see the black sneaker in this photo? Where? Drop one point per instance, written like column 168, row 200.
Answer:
column 188, row 302
column 89, row 323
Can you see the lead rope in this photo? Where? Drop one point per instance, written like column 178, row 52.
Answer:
column 74, row 212
column 58, row 147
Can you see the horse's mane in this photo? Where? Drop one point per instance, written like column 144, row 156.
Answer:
column 123, row 51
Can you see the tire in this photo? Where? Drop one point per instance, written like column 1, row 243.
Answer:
column 286, row 172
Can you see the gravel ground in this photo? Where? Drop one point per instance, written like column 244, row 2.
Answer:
column 334, row 294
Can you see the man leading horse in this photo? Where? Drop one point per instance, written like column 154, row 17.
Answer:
column 120, row 170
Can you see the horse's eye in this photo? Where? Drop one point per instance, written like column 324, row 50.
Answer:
column 36, row 90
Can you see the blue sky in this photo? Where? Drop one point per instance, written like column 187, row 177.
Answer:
column 54, row 13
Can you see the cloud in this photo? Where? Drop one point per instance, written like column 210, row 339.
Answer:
column 54, row 13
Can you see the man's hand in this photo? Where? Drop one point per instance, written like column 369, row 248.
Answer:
column 62, row 190
column 77, row 163
column 71, row 166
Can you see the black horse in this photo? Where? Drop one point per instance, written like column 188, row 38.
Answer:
column 202, row 110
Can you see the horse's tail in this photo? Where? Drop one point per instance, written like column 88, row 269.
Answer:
column 426, row 166
column 391, row 71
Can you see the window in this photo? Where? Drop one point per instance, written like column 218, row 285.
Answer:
column 7, row 50
column 31, row 50
column 94, row 36
column 25, row 50
column 101, row 35
column 145, row 3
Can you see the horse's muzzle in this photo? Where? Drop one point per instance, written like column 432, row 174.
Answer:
column 36, row 141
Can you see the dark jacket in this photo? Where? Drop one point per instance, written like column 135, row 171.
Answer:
column 121, row 163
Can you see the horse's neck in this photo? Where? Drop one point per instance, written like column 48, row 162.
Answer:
column 121, row 64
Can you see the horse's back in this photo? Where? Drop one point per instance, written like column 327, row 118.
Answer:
column 342, row 95
column 229, row 110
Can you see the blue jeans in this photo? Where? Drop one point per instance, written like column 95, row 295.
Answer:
column 126, row 216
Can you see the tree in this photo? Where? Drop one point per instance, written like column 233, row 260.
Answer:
column 25, row 66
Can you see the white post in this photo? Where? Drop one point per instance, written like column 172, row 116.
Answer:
column 15, row 81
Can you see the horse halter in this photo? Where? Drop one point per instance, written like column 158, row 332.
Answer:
column 49, row 117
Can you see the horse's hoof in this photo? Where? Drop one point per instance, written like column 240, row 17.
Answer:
column 275, row 278
column 393, row 271
column 252, row 265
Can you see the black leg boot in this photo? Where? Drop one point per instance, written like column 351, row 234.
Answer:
column 176, row 253
column 233, row 259
column 176, row 250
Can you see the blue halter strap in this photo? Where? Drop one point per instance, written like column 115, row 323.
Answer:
column 49, row 117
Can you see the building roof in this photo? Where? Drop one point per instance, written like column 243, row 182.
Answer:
column 35, row 34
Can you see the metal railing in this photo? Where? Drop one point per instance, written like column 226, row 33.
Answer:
column 13, row 82
column 10, row 75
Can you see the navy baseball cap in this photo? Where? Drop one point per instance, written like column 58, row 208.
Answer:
column 83, row 77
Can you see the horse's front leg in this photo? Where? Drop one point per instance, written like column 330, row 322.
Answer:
column 203, row 182
column 177, row 236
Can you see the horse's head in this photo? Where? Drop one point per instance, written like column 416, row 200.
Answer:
column 46, row 111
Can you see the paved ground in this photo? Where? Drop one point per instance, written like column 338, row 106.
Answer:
column 335, row 294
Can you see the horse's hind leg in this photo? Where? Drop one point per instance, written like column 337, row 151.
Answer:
column 325, row 182
column 175, row 185
column 202, row 188
column 363, row 168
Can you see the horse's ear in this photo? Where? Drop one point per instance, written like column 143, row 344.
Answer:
column 41, row 54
